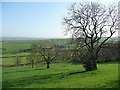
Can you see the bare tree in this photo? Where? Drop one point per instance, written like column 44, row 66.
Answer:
column 18, row 60
column 33, row 55
column 43, row 51
column 31, row 58
column 92, row 24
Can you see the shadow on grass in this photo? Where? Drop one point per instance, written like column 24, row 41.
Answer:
column 77, row 72
column 37, row 79
column 24, row 70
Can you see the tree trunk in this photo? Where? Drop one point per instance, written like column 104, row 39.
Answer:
column 48, row 66
column 88, row 67
column 91, row 63
column 32, row 63
column 94, row 61
column 94, row 65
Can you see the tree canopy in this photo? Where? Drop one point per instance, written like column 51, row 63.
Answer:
column 92, row 24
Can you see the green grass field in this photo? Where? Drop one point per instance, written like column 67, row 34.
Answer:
column 12, row 61
column 61, row 75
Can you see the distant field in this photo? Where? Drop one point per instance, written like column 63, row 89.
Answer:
column 14, row 46
column 12, row 61
column 11, row 49
column 60, row 75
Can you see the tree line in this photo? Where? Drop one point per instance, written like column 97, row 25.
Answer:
column 48, row 53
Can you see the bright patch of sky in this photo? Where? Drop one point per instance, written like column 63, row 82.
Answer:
column 35, row 19
column 28, row 19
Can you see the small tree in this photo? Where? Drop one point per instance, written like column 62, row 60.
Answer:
column 33, row 55
column 48, row 52
column 31, row 58
column 93, row 25
column 18, row 60
column 43, row 51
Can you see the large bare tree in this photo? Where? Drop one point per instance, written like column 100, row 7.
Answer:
column 92, row 24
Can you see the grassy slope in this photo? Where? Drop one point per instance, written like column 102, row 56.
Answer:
column 61, row 76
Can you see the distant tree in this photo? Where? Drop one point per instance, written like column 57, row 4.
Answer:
column 64, row 55
column 44, row 51
column 89, row 23
column 18, row 60
column 33, row 55
column 31, row 58
column 109, row 52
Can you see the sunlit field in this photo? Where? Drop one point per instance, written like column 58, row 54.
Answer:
column 61, row 75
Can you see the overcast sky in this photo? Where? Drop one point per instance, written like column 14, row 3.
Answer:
column 35, row 19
